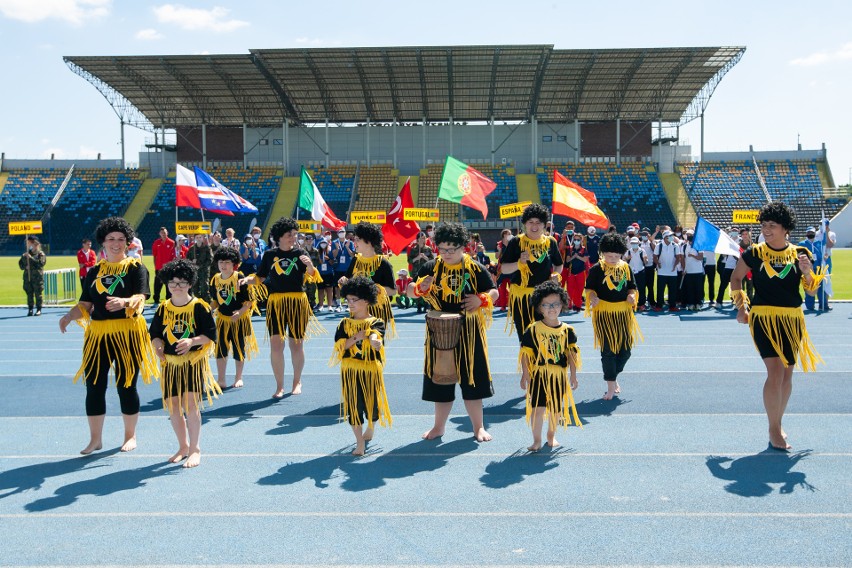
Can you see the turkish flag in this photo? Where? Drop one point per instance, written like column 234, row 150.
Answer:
column 399, row 233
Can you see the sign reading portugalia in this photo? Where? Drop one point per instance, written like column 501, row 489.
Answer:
column 513, row 209
column 378, row 217
column 308, row 226
column 25, row 227
column 193, row 227
column 745, row 216
column 416, row 214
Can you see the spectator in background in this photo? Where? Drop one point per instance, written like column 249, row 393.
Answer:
column 181, row 248
column 230, row 240
column 251, row 251
column 576, row 266
column 86, row 259
column 828, row 239
column 163, row 250
column 815, row 248
column 134, row 248
column 709, row 276
column 502, row 280
column 635, row 258
column 325, row 264
column 693, row 282
column 201, row 254
column 418, row 255
column 667, row 258
column 402, row 282
column 215, row 242
column 647, row 245
column 729, row 262
column 592, row 240
column 342, row 253
column 430, row 238
column 32, row 263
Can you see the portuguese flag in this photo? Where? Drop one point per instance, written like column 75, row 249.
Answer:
column 571, row 200
column 311, row 200
column 462, row 184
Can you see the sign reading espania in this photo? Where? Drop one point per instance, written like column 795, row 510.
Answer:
column 378, row 217
column 415, row 214
column 513, row 209
column 24, row 227
column 193, row 227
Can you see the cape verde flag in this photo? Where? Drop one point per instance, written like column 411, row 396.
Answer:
column 708, row 237
column 200, row 190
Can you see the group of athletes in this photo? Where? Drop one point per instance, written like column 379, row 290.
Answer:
column 186, row 331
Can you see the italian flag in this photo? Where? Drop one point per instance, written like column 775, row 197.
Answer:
column 311, row 200
column 462, row 184
column 571, row 200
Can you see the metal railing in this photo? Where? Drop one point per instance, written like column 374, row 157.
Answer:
column 60, row 285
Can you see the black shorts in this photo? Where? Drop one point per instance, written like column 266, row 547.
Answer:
column 538, row 392
column 764, row 345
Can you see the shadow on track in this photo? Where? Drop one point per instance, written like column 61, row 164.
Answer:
column 321, row 470
column 754, row 476
column 32, row 477
column 318, row 417
column 520, row 465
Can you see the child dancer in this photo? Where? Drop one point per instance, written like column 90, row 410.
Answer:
column 610, row 300
column 359, row 348
column 181, row 333
column 233, row 316
column 548, row 350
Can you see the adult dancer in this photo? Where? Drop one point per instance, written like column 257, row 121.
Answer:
column 110, row 310
column 284, row 271
column 775, row 315
column 456, row 283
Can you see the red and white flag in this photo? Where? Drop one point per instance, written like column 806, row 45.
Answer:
column 398, row 233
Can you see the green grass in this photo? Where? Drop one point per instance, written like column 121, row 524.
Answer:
column 11, row 290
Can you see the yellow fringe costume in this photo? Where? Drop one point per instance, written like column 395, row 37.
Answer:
column 361, row 374
column 785, row 324
column 190, row 373
column 292, row 309
column 449, row 289
column 520, row 305
column 226, row 328
column 382, row 309
column 614, row 323
column 127, row 337
column 545, row 373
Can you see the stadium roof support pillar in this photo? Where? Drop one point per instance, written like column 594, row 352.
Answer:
column 286, row 147
column 203, row 144
column 701, row 156
column 245, row 146
column 451, row 135
column 163, row 154
column 577, row 141
column 326, row 143
column 394, row 143
column 368, row 141
column 491, row 122
column 618, row 141
column 423, row 163
column 122, row 143
column 533, row 140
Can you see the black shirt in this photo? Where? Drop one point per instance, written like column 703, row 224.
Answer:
column 595, row 281
column 529, row 340
column 383, row 275
column 131, row 280
column 282, row 271
column 781, row 290
column 540, row 269
column 226, row 302
column 202, row 323
column 480, row 281
column 376, row 325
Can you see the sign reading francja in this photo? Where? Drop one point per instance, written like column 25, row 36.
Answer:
column 416, row 214
column 377, row 217
column 745, row 216
column 25, row 227
column 513, row 209
column 193, row 227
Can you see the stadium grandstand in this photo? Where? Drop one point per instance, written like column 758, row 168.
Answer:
column 363, row 120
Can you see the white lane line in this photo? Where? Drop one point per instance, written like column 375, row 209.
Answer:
column 566, row 453
column 519, row 415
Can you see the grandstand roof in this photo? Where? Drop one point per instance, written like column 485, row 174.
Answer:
column 467, row 83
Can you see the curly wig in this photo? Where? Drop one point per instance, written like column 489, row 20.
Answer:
column 535, row 211
column 545, row 289
column 114, row 225
column 613, row 242
column 779, row 212
column 361, row 287
column 180, row 268
column 453, row 233
column 282, row 226
column 369, row 233
column 227, row 254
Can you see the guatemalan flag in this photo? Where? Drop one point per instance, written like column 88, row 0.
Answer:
column 200, row 190
column 708, row 237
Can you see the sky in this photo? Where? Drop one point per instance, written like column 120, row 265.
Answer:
column 792, row 86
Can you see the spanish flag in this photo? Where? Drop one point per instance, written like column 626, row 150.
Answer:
column 571, row 200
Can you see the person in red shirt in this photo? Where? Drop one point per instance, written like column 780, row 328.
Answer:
column 402, row 300
column 163, row 250
column 86, row 258
column 181, row 247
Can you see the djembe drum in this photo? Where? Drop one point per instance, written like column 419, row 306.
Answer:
column 444, row 334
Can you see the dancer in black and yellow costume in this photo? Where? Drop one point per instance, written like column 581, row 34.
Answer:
column 359, row 348
column 233, row 316
column 528, row 260
column 110, row 310
column 370, row 263
column 549, row 361
column 775, row 314
column 284, row 271
column 611, row 301
column 456, row 283
column 182, row 334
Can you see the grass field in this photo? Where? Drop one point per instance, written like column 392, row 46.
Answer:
column 11, row 291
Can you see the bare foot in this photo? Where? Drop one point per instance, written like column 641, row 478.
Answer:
column 279, row 394
column 617, row 388
column 778, row 441
column 179, row 456
column 194, row 459
column 433, row 433
column 238, row 384
column 368, row 434
column 536, row 446
column 297, row 388
column 608, row 395
column 360, row 448
column 552, row 441
column 222, row 385
column 483, row 436
column 129, row 445
column 92, row 447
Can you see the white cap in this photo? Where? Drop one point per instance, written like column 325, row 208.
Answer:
column 667, row 234
column 180, row 238
column 591, row 230
column 634, row 240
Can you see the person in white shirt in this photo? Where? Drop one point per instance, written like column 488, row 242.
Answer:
column 647, row 244
column 729, row 262
column 134, row 248
column 667, row 258
column 693, row 281
column 230, row 240
column 830, row 241
column 635, row 257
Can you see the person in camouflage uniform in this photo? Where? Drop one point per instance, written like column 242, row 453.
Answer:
column 32, row 263
column 202, row 255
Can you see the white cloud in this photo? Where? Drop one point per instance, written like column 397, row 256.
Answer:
column 821, row 57
column 315, row 41
column 72, row 11
column 148, row 34
column 192, row 19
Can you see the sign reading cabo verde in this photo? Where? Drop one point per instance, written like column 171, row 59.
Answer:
column 745, row 215
column 24, row 227
column 308, row 226
column 369, row 216
column 417, row 214
column 193, row 227
column 513, row 209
